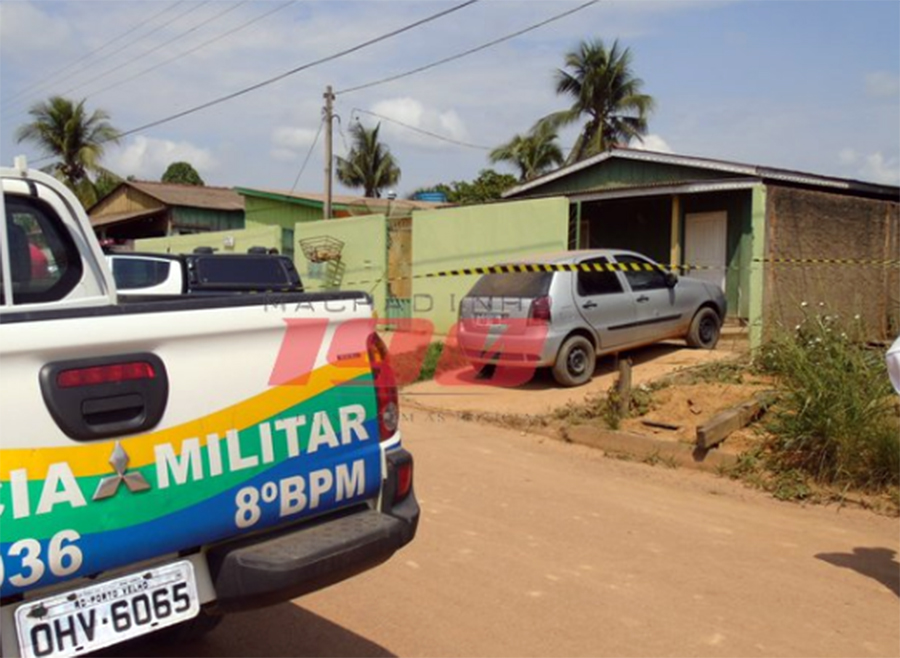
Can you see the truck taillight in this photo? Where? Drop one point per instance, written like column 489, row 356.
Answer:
column 404, row 481
column 113, row 373
column 387, row 400
column 539, row 313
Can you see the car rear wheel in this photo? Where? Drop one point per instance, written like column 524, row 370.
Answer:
column 575, row 362
column 705, row 329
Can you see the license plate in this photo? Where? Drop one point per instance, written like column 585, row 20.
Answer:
column 488, row 319
column 101, row 615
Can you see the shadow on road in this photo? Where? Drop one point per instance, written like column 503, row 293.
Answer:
column 281, row 630
column 876, row 563
column 541, row 379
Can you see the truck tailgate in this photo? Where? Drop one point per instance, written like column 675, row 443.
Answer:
column 262, row 424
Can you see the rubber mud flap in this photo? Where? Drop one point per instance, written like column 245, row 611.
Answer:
column 256, row 572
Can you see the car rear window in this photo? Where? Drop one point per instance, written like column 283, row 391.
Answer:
column 241, row 271
column 520, row 284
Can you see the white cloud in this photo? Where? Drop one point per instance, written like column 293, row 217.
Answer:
column 848, row 156
column 880, row 169
column 652, row 143
column 882, row 84
column 288, row 143
column 414, row 113
column 26, row 29
column 147, row 157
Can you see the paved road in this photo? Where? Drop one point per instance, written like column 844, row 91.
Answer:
column 529, row 547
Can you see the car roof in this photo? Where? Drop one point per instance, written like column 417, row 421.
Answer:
column 572, row 256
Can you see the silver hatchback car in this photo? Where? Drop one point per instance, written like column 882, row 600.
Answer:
column 610, row 300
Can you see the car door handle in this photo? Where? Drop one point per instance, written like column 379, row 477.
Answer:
column 589, row 305
column 643, row 298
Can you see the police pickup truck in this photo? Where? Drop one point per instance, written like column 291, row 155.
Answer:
column 167, row 461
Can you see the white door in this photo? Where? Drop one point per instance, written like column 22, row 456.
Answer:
column 705, row 246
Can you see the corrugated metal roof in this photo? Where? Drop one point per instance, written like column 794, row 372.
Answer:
column 756, row 171
column 191, row 196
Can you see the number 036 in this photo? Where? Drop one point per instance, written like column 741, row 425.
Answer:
column 63, row 558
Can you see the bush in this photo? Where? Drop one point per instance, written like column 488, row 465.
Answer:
column 836, row 415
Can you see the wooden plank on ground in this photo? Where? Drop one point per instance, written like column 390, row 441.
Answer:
column 717, row 428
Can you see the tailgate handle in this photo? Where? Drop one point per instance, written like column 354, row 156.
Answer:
column 113, row 409
column 106, row 396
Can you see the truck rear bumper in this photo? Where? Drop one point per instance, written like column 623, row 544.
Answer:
column 257, row 572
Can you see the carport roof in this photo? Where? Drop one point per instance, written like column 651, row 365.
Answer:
column 664, row 189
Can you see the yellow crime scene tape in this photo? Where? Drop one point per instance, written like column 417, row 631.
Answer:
column 515, row 268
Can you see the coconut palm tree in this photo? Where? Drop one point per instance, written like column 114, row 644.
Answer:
column 603, row 88
column 533, row 154
column 369, row 164
column 75, row 139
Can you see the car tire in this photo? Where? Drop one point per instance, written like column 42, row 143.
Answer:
column 705, row 329
column 575, row 362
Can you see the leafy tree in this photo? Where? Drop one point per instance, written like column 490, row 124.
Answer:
column 489, row 186
column 603, row 88
column 533, row 154
column 106, row 182
column 369, row 164
column 75, row 139
column 183, row 173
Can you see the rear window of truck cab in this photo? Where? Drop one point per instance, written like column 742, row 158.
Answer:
column 44, row 263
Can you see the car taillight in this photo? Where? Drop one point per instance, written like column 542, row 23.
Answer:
column 386, row 399
column 539, row 313
column 404, row 480
column 111, row 374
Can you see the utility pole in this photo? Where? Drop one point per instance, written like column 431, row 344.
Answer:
column 329, row 99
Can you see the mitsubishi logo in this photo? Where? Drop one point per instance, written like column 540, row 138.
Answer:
column 110, row 485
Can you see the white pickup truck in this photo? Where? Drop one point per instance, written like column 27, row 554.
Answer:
column 165, row 462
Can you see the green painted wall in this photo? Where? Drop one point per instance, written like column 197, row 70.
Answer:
column 259, row 236
column 272, row 211
column 756, row 276
column 477, row 236
column 619, row 173
column 364, row 255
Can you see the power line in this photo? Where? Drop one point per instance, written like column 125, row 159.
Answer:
column 470, row 51
column 189, row 10
column 420, row 130
column 41, row 83
column 293, row 71
column 196, row 48
column 158, row 46
column 308, row 154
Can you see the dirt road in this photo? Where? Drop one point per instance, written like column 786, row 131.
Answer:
column 530, row 547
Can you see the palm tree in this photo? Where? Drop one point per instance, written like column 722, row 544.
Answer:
column 603, row 87
column 533, row 154
column 369, row 164
column 64, row 130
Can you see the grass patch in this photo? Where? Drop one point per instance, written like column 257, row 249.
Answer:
column 836, row 420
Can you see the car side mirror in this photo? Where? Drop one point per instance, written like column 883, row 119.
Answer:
column 671, row 279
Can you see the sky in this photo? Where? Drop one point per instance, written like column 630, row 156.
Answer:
column 811, row 85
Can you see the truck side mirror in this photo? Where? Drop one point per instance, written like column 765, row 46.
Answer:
column 671, row 279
